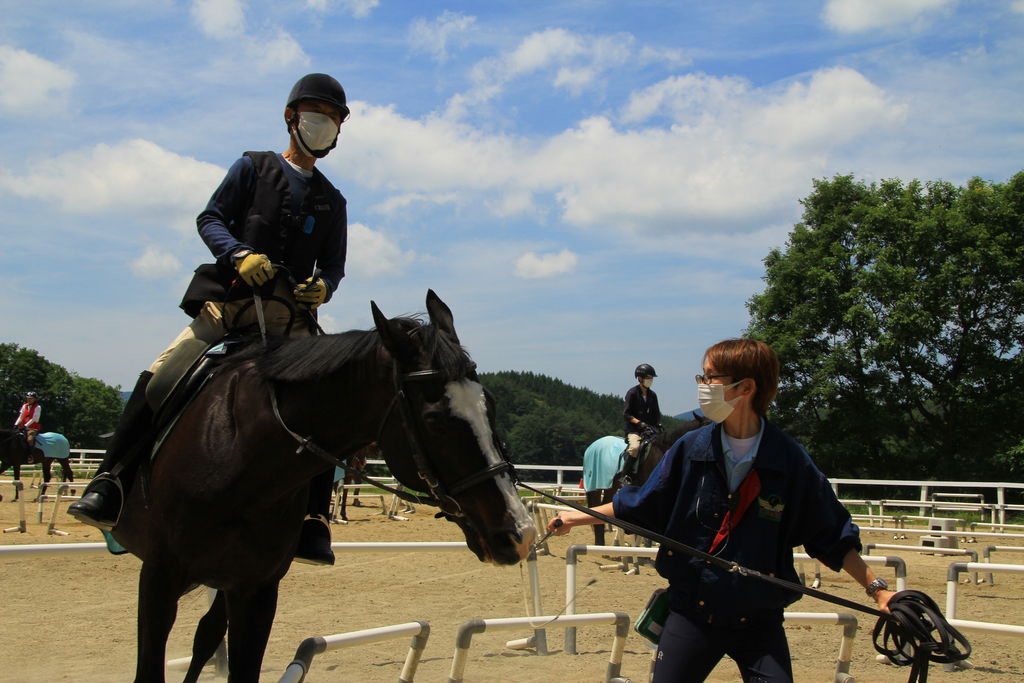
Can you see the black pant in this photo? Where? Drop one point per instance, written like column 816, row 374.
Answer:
column 690, row 648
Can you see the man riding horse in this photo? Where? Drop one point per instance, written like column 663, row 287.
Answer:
column 273, row 222
column 642, row 416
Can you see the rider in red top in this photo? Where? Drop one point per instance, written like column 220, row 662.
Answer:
column 29, row 417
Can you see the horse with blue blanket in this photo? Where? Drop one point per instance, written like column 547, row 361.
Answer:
column 604, row 458
column 16, row 452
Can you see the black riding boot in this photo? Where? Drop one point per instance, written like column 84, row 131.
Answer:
column 629, row 468
column 315, row 538
column 100, row 504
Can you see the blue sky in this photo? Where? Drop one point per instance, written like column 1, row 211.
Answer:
column 589, row 185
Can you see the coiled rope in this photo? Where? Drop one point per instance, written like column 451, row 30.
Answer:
column 916, row 633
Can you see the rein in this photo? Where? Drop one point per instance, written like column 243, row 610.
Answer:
column 910, row 626
column 440, row 496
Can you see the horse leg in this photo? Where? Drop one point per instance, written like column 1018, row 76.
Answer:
column 46, row 477
column 593, row 500
column 209, row 634
column 159, row 591
column 344, row 500
column 251, row 616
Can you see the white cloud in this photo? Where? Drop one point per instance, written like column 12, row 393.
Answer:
column 219, row 18
column 576, row 62
column 855, row 16
column 360, row 9
column 276, row 50
column 732, row 156
column 397, row 203
column 1017, row 6
column 31, row 84
column 514, row 202
column 433, row 37
column 372, row 254
column 687, row 99
column 533, row 266
column 155, row 264
column 136, row 177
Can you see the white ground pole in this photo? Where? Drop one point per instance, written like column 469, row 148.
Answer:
column 52, row 527
column 19, row 491
column 989, row 549
column 955, row 569
column 961, row 534
column 539, row 639
column 469, row 628
column 973, row 554
column 310, row 647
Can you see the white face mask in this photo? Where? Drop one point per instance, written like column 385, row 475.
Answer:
column 647, row 382
column 316, row 133
column 711, row 398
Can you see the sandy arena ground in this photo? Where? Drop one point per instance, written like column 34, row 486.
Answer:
column 73, row 619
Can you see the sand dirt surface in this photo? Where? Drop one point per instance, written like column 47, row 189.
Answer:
column 73, row 618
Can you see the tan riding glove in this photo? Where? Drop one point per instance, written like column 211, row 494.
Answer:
column 311, row 294
column 255, row 269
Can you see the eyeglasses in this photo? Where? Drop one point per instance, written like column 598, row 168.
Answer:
column 706, row 379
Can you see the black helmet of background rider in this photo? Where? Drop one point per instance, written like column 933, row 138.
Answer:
column 322, row 88
column 644, row 370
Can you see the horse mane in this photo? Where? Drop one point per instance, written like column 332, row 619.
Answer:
column 665, row 439
column 311, row 358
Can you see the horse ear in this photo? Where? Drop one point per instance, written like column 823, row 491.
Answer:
column 441, row 315
column 392, row 337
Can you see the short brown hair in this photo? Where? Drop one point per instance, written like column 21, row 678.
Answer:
column 748, row 358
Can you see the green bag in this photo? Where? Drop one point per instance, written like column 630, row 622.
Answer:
column 651, row 621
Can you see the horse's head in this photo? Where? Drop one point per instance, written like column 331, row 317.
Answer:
column 14, row 448
column 440, row 437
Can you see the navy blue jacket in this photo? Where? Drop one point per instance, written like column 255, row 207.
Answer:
column 687, row 496
column 222, row 223
column 646, row 411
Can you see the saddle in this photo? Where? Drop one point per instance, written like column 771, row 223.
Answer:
column 175, row 386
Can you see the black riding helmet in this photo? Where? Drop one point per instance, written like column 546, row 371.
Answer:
column 644, row 370
column 322, row 88
column 31, row 394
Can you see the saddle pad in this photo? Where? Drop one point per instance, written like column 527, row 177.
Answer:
column 601, row 461
column 53, row 445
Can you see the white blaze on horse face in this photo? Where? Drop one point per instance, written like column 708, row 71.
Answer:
column 467, row 401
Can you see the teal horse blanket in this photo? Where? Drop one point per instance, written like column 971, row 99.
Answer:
column 601, row 462
column 53, row 445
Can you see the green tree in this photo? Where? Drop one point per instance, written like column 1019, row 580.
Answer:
column 80, row 408
column 548, row 422
column 897, row 310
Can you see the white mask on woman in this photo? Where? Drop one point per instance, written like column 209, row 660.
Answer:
column 316, row 133
column 647, row 382
column 711, row 398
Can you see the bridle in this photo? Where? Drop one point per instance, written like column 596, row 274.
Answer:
column 441, row 496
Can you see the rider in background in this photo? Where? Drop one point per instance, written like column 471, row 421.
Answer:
column 29, row 416
column 270, row 209
column 641, row 414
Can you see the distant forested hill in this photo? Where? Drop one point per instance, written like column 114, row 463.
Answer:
column 545, row 421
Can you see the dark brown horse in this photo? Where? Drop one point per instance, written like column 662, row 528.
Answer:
column 223, row 501
column 15, row 452
column 352, row 474
column 651, row 452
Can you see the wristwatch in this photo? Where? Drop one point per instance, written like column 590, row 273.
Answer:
column 875, row 586
column 240, row 255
